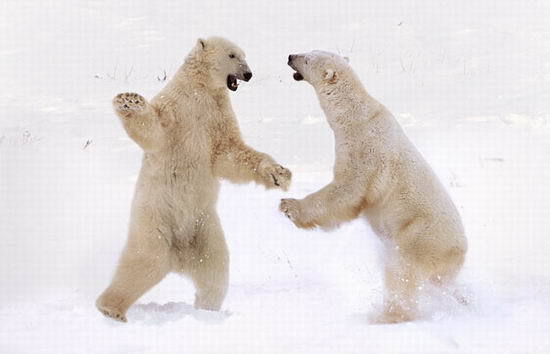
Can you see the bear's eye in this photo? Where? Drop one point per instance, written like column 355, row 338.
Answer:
column 232, row 56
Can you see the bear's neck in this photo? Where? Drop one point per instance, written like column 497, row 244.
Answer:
column 347, row 106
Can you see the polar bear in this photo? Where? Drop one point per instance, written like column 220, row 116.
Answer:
column 379, row 174
column 190, row 139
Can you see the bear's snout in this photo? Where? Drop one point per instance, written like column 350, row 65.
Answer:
column 247, row 76
column 290, row 57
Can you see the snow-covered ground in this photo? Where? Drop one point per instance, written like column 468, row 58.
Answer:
column 469, row 81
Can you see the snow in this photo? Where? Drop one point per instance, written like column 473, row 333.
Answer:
column 469, row 81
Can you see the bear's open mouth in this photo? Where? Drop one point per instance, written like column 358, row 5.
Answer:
column 297, row 76
column 232, row 83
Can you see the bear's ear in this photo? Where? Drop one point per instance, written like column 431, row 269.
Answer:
column 202, row 43
column 330, row 76
column 346, row 59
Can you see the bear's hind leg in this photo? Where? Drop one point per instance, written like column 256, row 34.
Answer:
column 447, row 272
column 209, row 266
column 143, row 264
column 400, row 298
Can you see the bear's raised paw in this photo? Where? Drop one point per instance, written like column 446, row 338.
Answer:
column 128, row 103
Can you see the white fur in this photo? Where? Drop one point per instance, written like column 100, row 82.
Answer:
column 379, row 174
column 190, row 139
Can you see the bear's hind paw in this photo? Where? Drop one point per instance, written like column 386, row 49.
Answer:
column 114, row 314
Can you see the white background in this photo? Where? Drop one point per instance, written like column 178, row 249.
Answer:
column 468, row 80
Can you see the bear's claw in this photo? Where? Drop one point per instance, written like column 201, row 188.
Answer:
column 113, row 314
column 290, row 208
column 277, row 176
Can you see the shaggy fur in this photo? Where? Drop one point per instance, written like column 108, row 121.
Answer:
column 380, row 175
column 190, row 139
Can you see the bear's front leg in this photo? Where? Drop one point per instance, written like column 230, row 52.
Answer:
column 239, row 163
column 139, row 118
column 337, row 202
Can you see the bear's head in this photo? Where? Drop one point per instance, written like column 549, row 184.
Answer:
column 319, row 68
column 225, row 61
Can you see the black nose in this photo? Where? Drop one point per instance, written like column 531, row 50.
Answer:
column 290, row 57
column 247, row 76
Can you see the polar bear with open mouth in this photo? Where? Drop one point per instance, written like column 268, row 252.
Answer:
column 190, row 140
column 380, row 175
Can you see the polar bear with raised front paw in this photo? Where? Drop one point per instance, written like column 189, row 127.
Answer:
column 379, row 174
column 190, row 139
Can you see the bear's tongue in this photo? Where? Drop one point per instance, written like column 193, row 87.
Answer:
column 232, row 82
column 297, row 76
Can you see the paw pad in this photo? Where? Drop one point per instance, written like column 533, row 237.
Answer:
column 129, row 102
